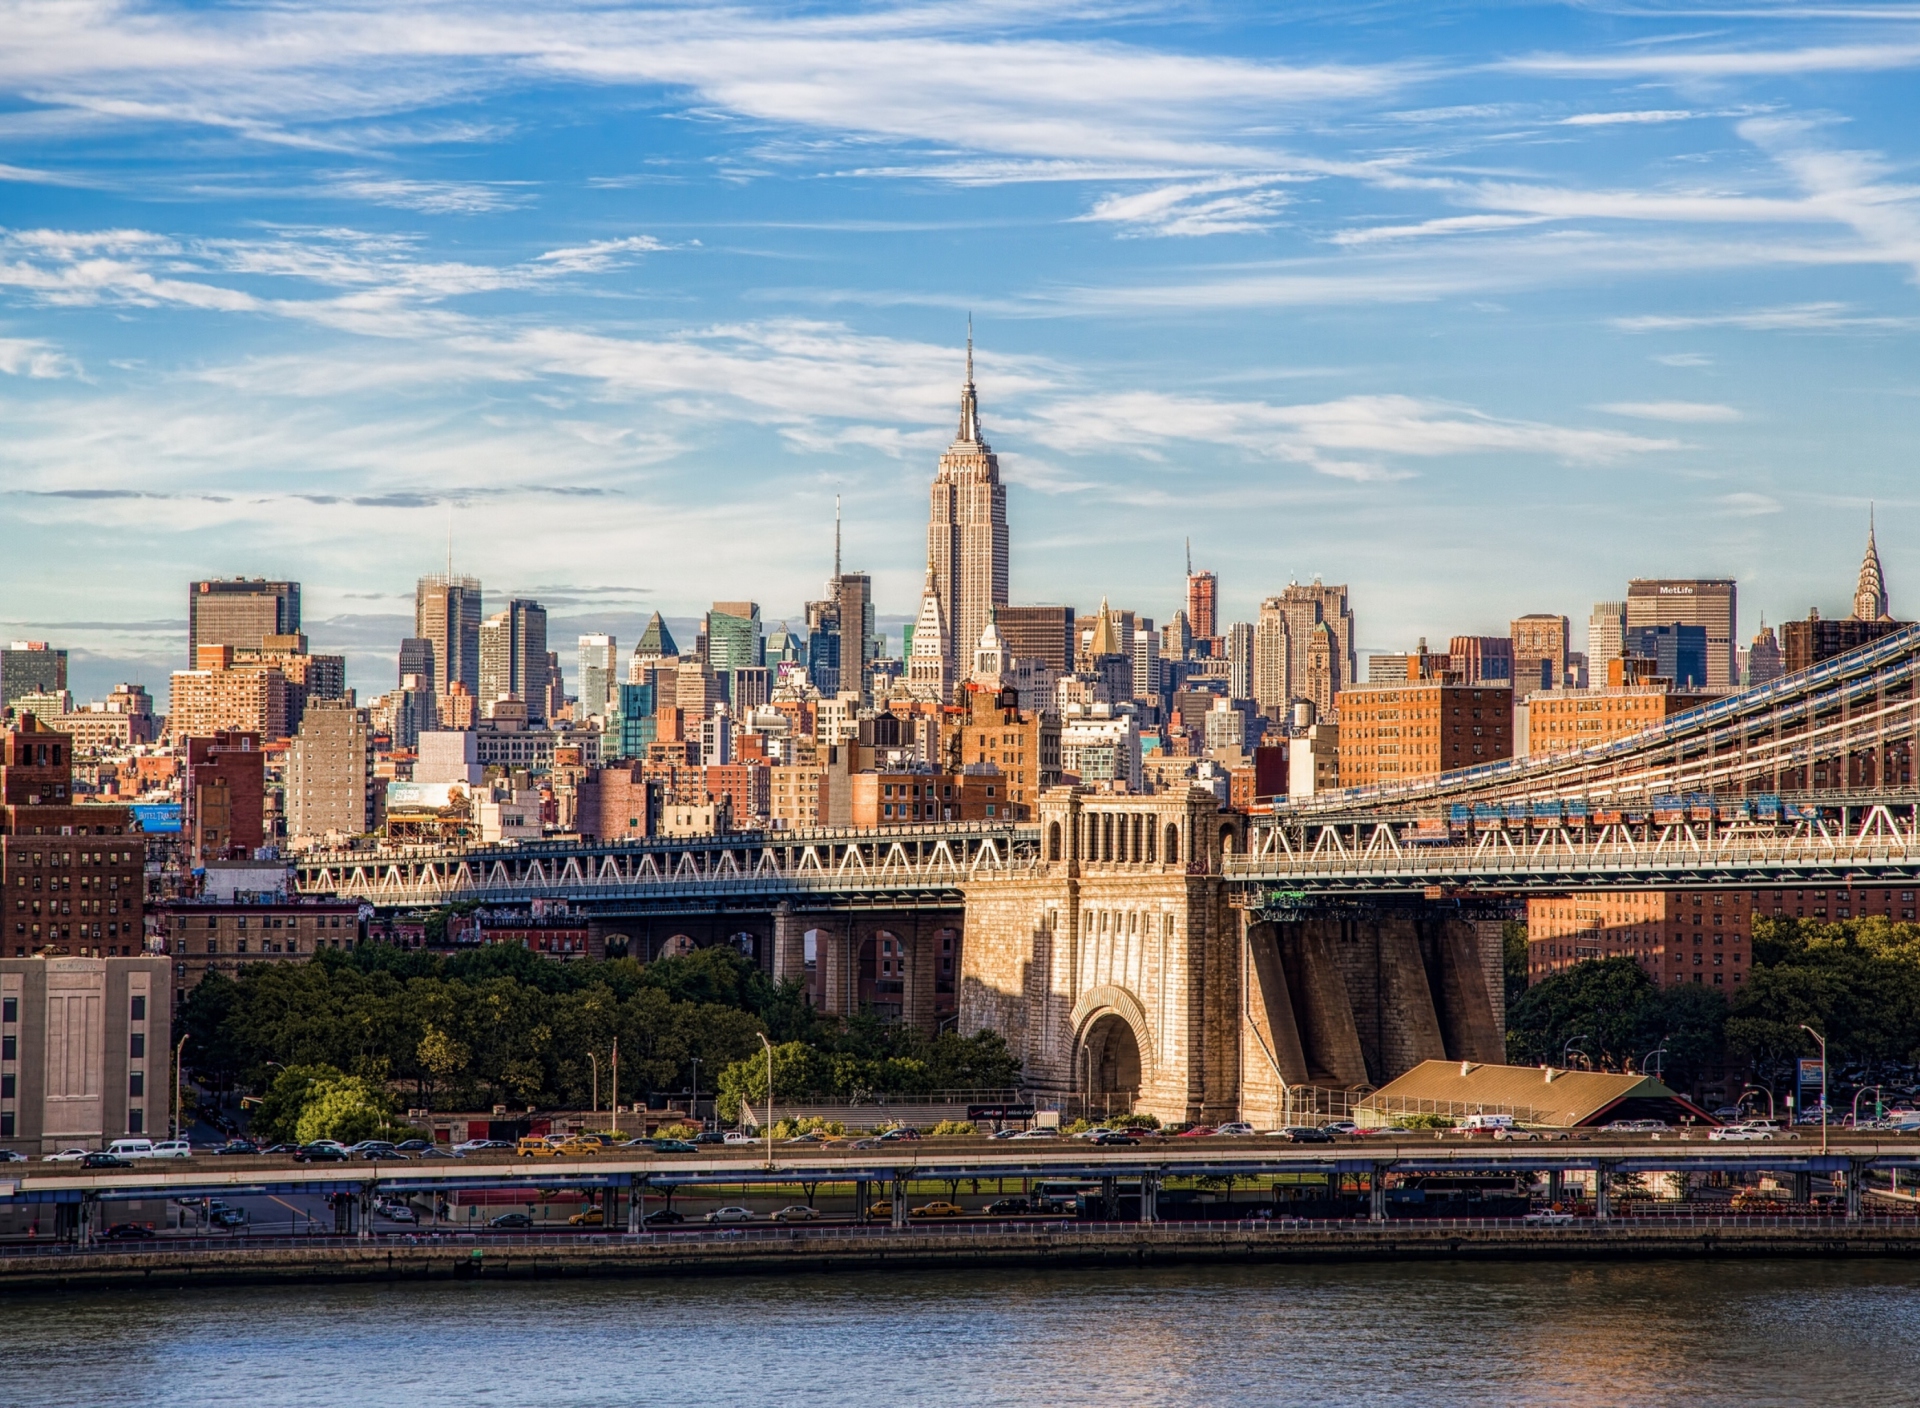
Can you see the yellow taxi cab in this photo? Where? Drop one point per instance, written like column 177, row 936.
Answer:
column 577, row 1148
column 591, row 1217
column 883, row 1208
column 937, row 1208
column 536, row 1146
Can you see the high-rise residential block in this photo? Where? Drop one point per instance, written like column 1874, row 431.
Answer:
column 446, row 613
column 1606, row 637
column 1481, row 659
column 1271, row 657
column 967, row 531
column 240, row 613
column 1710, row 603
column 330, row 773
column 30, row 667
column 87, row 1042
column 1203, row 589
column 599, row 672
column 1304, row 608
column 210, row 701
column 1239, row 638
column 224, row 782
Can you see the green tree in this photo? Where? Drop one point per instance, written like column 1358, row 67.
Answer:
column 1513, row 959
column 346, row 1108
column 278, row 1114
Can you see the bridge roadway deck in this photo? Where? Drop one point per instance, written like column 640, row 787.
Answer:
column 932, row 1160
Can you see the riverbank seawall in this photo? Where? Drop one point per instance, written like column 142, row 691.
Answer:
column 811, row 1250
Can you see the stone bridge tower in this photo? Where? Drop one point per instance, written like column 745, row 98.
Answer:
column 1111, row 962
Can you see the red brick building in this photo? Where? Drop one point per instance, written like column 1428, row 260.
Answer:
column 226, row 791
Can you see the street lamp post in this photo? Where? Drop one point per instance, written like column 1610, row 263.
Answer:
column 693, row 1107
column 1823, row 1082
column 1659, row 1051
column 769, row 1045
column 616, row 1086
column 1856, row 1101
column 178, row 1109
column 593, row 1063
column 1566, row 1051
column 1759, row 1090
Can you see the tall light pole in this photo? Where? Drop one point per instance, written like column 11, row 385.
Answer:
column 1566, row 1051
column 1823, row 1082
column 693, row 1107
column 1856, row 1101
column 769, row 1045
column 593, row 1062
column 177, row 1108
column 1759, row 1090
column 616, row 1086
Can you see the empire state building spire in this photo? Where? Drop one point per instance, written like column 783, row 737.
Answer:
column 967, row 531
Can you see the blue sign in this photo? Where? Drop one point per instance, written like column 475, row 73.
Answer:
column 156, row 816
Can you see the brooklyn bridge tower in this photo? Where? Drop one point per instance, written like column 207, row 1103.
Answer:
column 967, row 531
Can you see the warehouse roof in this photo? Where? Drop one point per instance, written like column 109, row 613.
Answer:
column 1543, row 1095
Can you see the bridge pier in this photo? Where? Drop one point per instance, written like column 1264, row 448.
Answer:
column 1377, row 1194
column 1853, row 1175
column 1149, row 1197
column 899, row 1204
column 1603, row 1190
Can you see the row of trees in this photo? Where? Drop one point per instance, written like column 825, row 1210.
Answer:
column 1856, row 981
column 502, row 1025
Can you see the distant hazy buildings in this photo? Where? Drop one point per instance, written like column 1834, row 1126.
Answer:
column 1710, row 603
column 967, row 531
column 446, row 614
column 30, row 667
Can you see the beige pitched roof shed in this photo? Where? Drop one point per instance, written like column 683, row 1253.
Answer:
column 1542, row 1095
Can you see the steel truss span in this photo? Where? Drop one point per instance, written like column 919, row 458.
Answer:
column 903, row 863
column 1850, row 723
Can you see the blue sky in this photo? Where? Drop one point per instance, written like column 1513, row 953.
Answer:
column 1479, row 309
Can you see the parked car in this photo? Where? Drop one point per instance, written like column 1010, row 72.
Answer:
column 511, row 1220
column 663, row 1217
column 172, row 1149
column 731, row 1215
column 588, row 1217
column 1007, row 1206
column 1547, row 1218
column 797, row 1212
column 812, row 1136
column 281, row 1149
column 396, row 1212
column 104, row 1161
column 1037, row 1134
column 228, row 1218
column 415, row 1146
column 1306, row 1134
column 321, row 1154
column 883, row 1208
column 1517, row 1134
column 1199, row 1131
column 1341, row 1127
column 939, row 1207
column 12, row 1156
column 238, row 1146
column 131, row 1148
column 708, row 1136
column 375, row 1149
column 128, row 1232
column 474, row 1146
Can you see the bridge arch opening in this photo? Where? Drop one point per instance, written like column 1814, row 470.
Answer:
column 1112, row 1065
column 618, row 945
column 679, row 946
column 746, row 944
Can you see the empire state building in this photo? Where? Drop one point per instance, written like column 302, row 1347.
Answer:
column 967, row 533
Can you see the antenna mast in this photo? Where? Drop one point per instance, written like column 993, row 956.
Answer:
column 836, row 537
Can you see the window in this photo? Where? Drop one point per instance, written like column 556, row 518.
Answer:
column 6, row 1086
column 136, row 1121
column 137, row 1046
column 139, row 1007
column 137, row 1083
column 10, row 1010
column 9, row 1048
column 6, row 1125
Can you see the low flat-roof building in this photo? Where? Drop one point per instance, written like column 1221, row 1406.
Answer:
column 1534, row 1095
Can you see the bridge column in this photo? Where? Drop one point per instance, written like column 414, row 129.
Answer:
column 1556, row 1186
column 899, row 1202
column 365, row 1209
column 1149, row 1198
column 636, row 1204
column 1602, row 1199
column 1853, row 1175
column 1377, row 1194
column 860, row 1200
column 1109, row 1199
column 789, row 945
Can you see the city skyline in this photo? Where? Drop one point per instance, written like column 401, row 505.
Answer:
column 1562, row 297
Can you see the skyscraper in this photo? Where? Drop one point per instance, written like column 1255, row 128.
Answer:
column 599, row 672
column 239, row 613
column 1306, row 607
column 1708, row 602
column 1541, row 641
column 929, row 665
column 1870, row 594
column 1271, row 656
column 30, row 667
column 1239, row 638
column 513, row 658
column 1203, row 590
column 967, row 529
column 1606, row 637
column 446, row 613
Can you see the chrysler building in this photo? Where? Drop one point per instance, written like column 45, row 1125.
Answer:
column 967, row 531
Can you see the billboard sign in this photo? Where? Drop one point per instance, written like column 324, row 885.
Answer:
column 156, row 816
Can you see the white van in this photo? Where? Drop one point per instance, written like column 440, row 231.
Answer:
column 1480, row 1124
column 131, row 1148
column 173, row 1149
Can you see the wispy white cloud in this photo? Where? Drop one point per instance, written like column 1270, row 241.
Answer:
column 30, row 357
column 1225, row 205
column 1686, row 64
column 1684, row 359
column 1637, row 116
column 1747, row 505
column 1795, row 317
column 1444, row 225
column 427, row 197
column 599, row 255
column 1679, row 412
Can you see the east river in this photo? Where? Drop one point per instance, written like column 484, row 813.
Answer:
column 1695, row 1334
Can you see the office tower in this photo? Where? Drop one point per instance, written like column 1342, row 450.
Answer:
column 30, row 667
column 1765, row 662
column 1306, row 607
column 1681, row 654
column 823, row 646
column 656, row 643
column 733, row 637
column 1540, row 645
column 1271, row 653
column 1322, row 672
column 1870, row 593
column 1239, row 637
column 330, row 772
column 1203, row 589
column 446, row 614
column 599, row 670
column 630, row 722
column 1606, row 636
column 929, row 674
column 1044, row 633
column 513, row 658
column 967, row 528
column 1176, row 641
column 240, row 613
column 1708, row 602
column 1481, row 659
column 416, row 658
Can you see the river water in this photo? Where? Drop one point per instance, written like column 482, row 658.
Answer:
column 1698, row 1334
